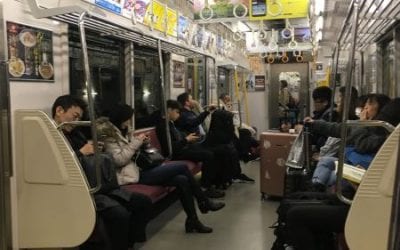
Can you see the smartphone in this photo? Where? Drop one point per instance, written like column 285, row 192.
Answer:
column 258, row 7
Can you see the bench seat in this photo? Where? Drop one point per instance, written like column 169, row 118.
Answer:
column 157, row 193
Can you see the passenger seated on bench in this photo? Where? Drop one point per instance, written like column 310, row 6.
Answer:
column 322, row 111
column 245, row 143
column 189, row 122
column 362, row 143
column 122, row 145
column 125, row 214
column 305, row 221
column 331, row 146
column 184, row 147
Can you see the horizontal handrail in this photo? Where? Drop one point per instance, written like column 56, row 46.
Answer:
column 339, row 179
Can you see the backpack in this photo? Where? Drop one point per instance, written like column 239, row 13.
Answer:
column 282, row 241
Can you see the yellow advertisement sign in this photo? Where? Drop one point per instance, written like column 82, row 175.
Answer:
column 158, row 11
column 172, row 16
column 277, row 9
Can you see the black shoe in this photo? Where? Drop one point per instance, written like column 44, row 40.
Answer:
column 213, row 193
column 194, row 225
column 223, row 186
column 242, row 178
column 209, row 205
column 318, row 187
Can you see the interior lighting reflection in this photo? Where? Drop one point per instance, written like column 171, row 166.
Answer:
column 319, row 7
column 146, row 93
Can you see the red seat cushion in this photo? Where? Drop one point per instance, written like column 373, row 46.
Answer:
column 155, row 193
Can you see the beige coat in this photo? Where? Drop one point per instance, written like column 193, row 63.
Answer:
column 122, row 150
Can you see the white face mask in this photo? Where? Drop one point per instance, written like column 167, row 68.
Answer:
column 358, row 111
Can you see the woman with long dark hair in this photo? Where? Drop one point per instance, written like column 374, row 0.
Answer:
column 122, row 145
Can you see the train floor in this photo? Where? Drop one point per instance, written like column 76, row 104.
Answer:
column 241, row 225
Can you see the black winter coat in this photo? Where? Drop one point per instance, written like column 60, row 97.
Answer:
column 366, row 140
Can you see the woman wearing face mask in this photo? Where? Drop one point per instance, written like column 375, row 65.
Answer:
column 122, row 145
column 374, row 104
column 362, row 143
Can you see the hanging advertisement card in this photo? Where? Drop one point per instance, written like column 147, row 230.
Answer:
column 30, row 52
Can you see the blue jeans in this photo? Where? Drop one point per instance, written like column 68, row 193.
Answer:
column 325, row 171
column 176, row 174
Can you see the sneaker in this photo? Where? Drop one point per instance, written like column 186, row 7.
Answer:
column 214, row 193
column 243, row 178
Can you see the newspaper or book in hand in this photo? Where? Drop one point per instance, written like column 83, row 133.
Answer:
column 352, row 173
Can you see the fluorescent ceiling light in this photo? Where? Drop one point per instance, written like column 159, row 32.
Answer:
column 319, row 6
column 318, row 36
column 319, row 24
column 242, row 27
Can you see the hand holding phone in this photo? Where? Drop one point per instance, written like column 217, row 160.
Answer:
column 192, row 137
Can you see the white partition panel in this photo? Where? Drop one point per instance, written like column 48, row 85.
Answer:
column 368, row 221
column 55, row 208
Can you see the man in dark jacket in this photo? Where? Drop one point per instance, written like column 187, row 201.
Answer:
column 125, row 214
column 184, row 147
column 322, row 111
column 188, row 122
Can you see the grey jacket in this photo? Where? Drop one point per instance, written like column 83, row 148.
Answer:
column 121, row 149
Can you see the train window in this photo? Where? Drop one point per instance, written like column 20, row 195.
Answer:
column 196, row 82
column 289, row 97
column 295, row 105
column 388, row 86
column 147, row 86
column 223, row 80
column 105, row 60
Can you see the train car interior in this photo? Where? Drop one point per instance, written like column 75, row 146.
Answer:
column 200, row 124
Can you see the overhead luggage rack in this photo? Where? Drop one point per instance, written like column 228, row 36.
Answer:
column 106, row 28
column 96, row 20
column 375, row 19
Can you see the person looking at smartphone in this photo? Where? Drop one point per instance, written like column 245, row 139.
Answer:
column 184, row 147
column 123, row 145
column 125, row 214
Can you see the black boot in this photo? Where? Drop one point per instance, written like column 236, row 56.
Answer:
column 209, row 205
column 194, row 225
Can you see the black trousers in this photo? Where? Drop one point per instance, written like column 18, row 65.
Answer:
column 126, row 223
column 198, row 153
column 176, row 174
column 306, row 223
column 228, row 159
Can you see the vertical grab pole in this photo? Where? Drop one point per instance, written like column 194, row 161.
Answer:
column 345, row 113
column 89, row 88
column 216, row 81
column 236, row 82
column 335, row 61
column 163, row 101
column 246, row 104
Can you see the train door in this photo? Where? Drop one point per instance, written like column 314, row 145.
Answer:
column 106, row 57
column 223, row 81
column 195, row 79
column 5, row 154
column 5, row 160
column 285, row 71
column 147, row 92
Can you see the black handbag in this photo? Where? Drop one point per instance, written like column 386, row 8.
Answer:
column 148, row 158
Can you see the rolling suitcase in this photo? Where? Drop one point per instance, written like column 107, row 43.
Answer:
column 275, row 147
